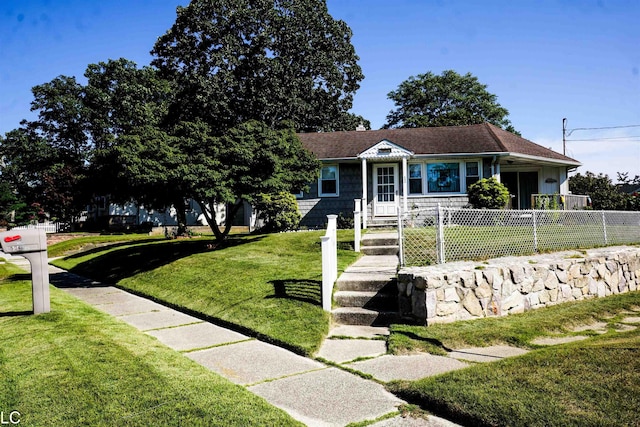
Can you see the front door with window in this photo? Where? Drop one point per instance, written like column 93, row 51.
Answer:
column 385, row 190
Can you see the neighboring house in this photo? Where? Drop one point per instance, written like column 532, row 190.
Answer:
column 114, row 216
column 421, row 167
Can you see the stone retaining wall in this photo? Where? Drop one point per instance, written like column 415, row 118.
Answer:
column 470, row 290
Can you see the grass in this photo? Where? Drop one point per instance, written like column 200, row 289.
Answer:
column 517, row 330
column 89, row 242
column 590, row 382
column 464, row 243
column 267, row 285
column 78, row 366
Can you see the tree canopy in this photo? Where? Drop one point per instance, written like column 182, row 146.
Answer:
column 449, row 99
column 267, row 60
column 603, row 193
column 213, row 119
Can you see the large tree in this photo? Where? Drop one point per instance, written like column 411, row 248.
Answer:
column 217, row 172
column 449, row 99
column 41, row 174
column 267, row 60
column 603, row 193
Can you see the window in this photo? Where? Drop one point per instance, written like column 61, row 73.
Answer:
column 443, row 177
column 328, row 185
column 415, row 178
column 473, row 173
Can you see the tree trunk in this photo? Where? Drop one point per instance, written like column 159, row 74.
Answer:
column 209, row 211
column 181, row 216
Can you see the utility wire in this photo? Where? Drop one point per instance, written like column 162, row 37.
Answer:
column 607, row 139
column 602, row 128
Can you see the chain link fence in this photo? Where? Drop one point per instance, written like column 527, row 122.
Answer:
column 436, row 236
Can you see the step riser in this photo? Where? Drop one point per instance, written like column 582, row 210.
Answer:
column 379, row 250
column 389, row 286
column 379, row 242
column 379, row 302
column 366, row 319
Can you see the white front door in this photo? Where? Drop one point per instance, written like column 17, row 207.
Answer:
column 385, row 190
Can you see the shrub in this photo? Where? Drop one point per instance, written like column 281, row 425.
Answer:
column 344, row 222
column 488, row 193
column 278, row 211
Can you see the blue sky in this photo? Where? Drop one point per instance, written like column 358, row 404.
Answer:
column 544, row 59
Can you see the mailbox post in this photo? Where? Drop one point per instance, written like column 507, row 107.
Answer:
column 31, row 244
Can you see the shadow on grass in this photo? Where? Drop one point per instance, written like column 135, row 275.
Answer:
column 19, row 277
column 434, row 342
column 106, row 246
column 16, row 313
column 136, row 258
column 302, row 290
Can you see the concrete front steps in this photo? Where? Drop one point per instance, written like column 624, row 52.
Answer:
column 382, row 223
column 367, row 293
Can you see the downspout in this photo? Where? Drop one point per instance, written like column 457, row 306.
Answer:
column 493, row 166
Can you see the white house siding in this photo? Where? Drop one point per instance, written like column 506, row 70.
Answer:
column 557, row 173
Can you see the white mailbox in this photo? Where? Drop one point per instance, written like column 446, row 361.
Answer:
column 31, row 244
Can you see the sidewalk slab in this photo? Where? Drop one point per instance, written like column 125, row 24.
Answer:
column 196, row 336
column 159, row 319
column 359, row 331
column 133, row 305
column 342, row 350
column 91, row 294
column 411, row 367
column 330, row 397
column 114, row 296
column 250, row 362
column 487, row 354
column 558, row 340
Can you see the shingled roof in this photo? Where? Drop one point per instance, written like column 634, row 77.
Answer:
column 473, row 139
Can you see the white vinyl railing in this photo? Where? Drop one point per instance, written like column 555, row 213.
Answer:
column 329, row 244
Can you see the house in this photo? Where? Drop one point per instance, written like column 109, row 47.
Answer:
column 421, row 167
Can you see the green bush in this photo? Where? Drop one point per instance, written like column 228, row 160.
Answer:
column 488, row 193
column 278, row 211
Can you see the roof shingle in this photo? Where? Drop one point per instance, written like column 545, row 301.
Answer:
column 471, row 139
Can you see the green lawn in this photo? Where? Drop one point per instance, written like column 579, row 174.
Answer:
column 268, row 285
column 77, row 366
column 591, row 382
column 464, row 243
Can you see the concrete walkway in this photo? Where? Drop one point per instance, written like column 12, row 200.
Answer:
column 310, row 390
column 313, row 392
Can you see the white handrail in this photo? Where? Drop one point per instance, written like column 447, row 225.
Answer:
column 329, row 243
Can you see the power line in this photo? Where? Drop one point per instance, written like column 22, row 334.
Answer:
column 567, row 132
column 607, row 139
column 602, row 128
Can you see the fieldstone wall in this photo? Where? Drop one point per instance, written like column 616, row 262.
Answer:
column 497, row 287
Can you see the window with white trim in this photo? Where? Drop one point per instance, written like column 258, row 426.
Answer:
column 328, row 183
column 472, row 172
column 443, row 177
column 415, row 178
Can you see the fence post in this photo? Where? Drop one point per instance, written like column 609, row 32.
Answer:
column 327, row 283
column 357, row 225
column 440, row 235
column 604, row 228
column 535, row 231
column 400, row 237
column 329, row 244
column 333, row 228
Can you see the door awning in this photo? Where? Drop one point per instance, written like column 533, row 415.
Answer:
column 385, row 150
